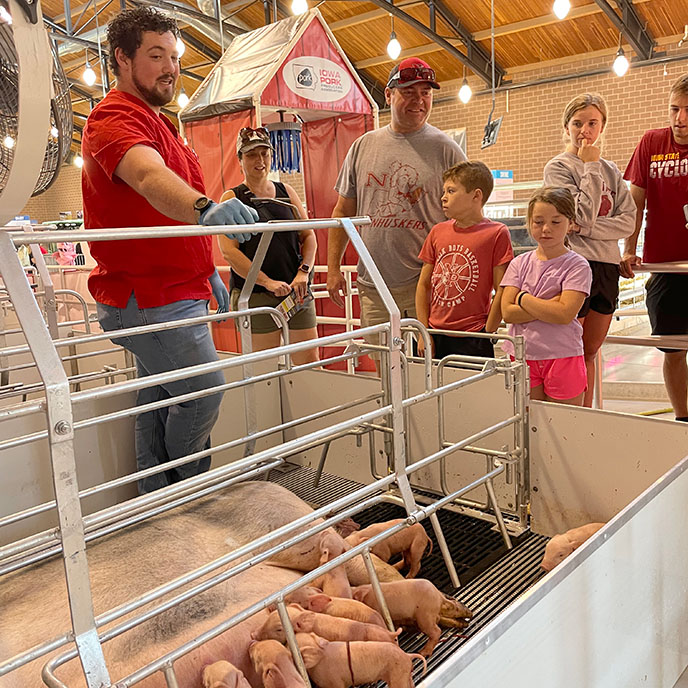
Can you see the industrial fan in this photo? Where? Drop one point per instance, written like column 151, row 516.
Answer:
column 33, row 99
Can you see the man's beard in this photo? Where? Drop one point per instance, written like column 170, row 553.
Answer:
column 152, row 96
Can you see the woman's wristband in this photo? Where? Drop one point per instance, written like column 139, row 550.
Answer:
column 519, row 298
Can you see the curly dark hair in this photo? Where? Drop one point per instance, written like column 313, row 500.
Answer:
column 125, row 31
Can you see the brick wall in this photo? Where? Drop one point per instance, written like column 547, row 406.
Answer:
column 63, row 195
column 531, row 130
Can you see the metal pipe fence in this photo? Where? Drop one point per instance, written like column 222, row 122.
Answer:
column 390, row 418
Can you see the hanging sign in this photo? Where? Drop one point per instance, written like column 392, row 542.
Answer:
column 316, row 78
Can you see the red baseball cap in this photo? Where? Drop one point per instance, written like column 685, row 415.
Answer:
column 412, row 70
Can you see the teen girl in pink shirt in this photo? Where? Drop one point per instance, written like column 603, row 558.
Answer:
column 543, row 292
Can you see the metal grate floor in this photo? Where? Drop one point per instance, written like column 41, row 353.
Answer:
column 491, row 576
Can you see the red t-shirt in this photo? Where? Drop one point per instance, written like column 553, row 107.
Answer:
column 158, row 271
column 660, row 166
column 462, row 281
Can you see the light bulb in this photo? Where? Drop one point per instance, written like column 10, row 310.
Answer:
column 180, row 47
column 78, row 161
column 89, row 76
column 54, row 132
column 561, row 8
column 621, row 63
column 5, row 16
column 8, row 142
column 465, row 92
column 393, row 47
column 299, row 6
column 182, row 99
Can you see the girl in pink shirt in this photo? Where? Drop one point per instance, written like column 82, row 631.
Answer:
column 543, row 292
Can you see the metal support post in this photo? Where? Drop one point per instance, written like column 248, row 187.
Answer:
column 61, row 442
column 394, row 358
column 377, row 589
column 291, row 641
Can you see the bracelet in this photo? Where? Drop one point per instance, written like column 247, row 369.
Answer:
column 519, row 298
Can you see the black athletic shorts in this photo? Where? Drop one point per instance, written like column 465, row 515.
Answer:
column 604, row 291
column 667, row 304
column 464, row 346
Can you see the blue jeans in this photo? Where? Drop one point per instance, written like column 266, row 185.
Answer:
column 173, row 431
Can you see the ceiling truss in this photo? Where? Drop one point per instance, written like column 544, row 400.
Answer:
column 630, row 25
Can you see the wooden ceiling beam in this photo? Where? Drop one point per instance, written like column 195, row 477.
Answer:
column 476, row 55
column 630, row 26
column 504, row 30
column 442, row 43
column 370, row 16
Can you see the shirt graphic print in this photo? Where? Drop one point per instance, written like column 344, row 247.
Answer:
column 395, row 194
column 455, row 275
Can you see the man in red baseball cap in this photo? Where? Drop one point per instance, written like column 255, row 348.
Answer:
column 394, row 175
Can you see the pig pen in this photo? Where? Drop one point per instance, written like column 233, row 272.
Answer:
column 458, row 448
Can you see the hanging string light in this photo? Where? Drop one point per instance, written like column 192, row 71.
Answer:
column 465, row 92
column 621, row 63
column 182, row 98
column 181, row 47
column 8, row 142
column 393, row 47
column 78, row 161
column 299, row 6
column 89, row 76
column 561, row 8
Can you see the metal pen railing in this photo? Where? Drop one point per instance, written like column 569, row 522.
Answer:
column 75, row 531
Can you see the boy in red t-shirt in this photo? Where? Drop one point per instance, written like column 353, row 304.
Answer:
column 464, row 261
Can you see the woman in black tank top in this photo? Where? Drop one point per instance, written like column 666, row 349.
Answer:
column 290, row 257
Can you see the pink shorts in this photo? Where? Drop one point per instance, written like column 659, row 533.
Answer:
column 562, row 378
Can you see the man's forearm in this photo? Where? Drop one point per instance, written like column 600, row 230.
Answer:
column 169, row 194
column 631, row 242
column 336, row 243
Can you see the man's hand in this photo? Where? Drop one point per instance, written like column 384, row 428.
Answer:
column 230, row 212
column 335, row 284
column 627, row 263
column 219, row 292
column 588, row 152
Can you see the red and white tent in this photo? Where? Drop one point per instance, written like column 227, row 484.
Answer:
column 296, row 66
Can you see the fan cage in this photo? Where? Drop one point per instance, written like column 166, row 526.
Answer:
column 61, row 118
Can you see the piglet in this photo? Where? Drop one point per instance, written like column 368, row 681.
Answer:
column 274, row 664
column 560, row 546
column 340, row 665
column 346, row 527
column 336, row 581
column 328, row 627
column 314, row 600
column 417, row 603
column 223, row 675
column 410, row 542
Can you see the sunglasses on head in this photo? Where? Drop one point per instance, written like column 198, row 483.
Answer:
column 407, row 74
column 247, row 133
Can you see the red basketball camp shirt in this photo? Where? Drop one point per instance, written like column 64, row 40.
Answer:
column 158, row 271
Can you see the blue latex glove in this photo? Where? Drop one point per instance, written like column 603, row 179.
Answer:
column 230, row 212
column 219, row 292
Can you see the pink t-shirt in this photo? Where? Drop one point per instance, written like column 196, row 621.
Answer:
column 463, row 259
column 545, row 279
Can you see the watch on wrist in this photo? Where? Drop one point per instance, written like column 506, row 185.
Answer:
column 201, row 204
column 305, row 268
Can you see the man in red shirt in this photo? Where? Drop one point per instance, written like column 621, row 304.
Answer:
column 139, row 173
column 658, row 172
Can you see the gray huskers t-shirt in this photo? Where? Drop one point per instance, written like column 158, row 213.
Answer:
column 397, row 180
